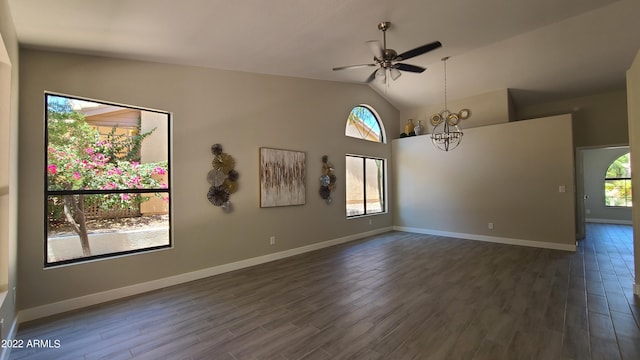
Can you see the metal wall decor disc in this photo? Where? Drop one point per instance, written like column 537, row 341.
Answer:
column 464, row 114
column 223, row 162
column 230, row 186
column 325, row 180
column 453, row 119
column 324, row 192
column 215, row 177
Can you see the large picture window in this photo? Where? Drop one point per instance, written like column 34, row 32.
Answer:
column 107, row 179
column 365, row 183
column 617, row 182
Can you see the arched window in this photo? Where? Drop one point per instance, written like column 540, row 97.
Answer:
column 617, row 182
column 363, row 123
column 365, row 174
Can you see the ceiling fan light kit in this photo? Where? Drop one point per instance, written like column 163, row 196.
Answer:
column 388, row 60
column 446, row 134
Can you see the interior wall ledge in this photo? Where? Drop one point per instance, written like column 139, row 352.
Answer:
column 493, row 239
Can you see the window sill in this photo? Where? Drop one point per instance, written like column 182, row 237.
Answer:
column 366, row 215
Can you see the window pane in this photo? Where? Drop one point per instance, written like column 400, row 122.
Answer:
column 94, row 146
column 374, row 185
column 355, row 185
column 114, row 223
column 363, row 124
column 617, row 192
column 620, row 168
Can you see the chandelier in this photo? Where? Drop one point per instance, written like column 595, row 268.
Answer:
column 446, row 134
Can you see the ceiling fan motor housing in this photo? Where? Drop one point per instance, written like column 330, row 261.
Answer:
column 389, row 54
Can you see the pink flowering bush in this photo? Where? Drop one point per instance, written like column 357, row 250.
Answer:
column 90, row 169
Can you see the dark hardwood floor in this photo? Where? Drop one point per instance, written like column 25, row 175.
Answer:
column 392, row 296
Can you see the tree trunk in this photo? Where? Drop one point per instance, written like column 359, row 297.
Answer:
column 74, row 213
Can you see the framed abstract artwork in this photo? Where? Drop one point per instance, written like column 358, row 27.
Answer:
column 282, row 177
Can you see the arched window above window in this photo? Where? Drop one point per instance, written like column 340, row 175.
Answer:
column 617, row 182
column 363, row 123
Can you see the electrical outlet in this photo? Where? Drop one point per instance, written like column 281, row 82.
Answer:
column 370, row 221
column 490, row 226
column 272, row 240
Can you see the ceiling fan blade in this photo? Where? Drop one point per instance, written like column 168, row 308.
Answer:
column 376, row 48
column 372, row 76
column 353, row 66
column 410, row 68
column 419, row 50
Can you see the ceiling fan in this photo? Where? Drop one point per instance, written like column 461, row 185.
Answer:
column 387, row 60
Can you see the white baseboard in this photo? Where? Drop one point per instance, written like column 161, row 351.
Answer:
column 109, row 295
column 609, row 221
column 5, row 351
column 493, row 239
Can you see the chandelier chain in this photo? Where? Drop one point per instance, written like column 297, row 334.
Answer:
column 444, row 60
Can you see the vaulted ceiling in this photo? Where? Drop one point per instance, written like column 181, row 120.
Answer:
column 543, row 50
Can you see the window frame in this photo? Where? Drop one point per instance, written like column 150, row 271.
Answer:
column 383, row 136
column 383, row 181
column 627, row 184
column 48, row 193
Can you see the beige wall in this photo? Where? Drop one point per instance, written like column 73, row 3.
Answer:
column 486, row 109
column 595, row 165
column 499, row 174
column 242, row 112
column 598, row 120
column 633, row 100
column 9, row 168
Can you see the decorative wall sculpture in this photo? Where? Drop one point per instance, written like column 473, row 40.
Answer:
column 327, row 180
column 282, row 177
column 223, row 178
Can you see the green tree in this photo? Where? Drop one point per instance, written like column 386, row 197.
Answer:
column 617, row 185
